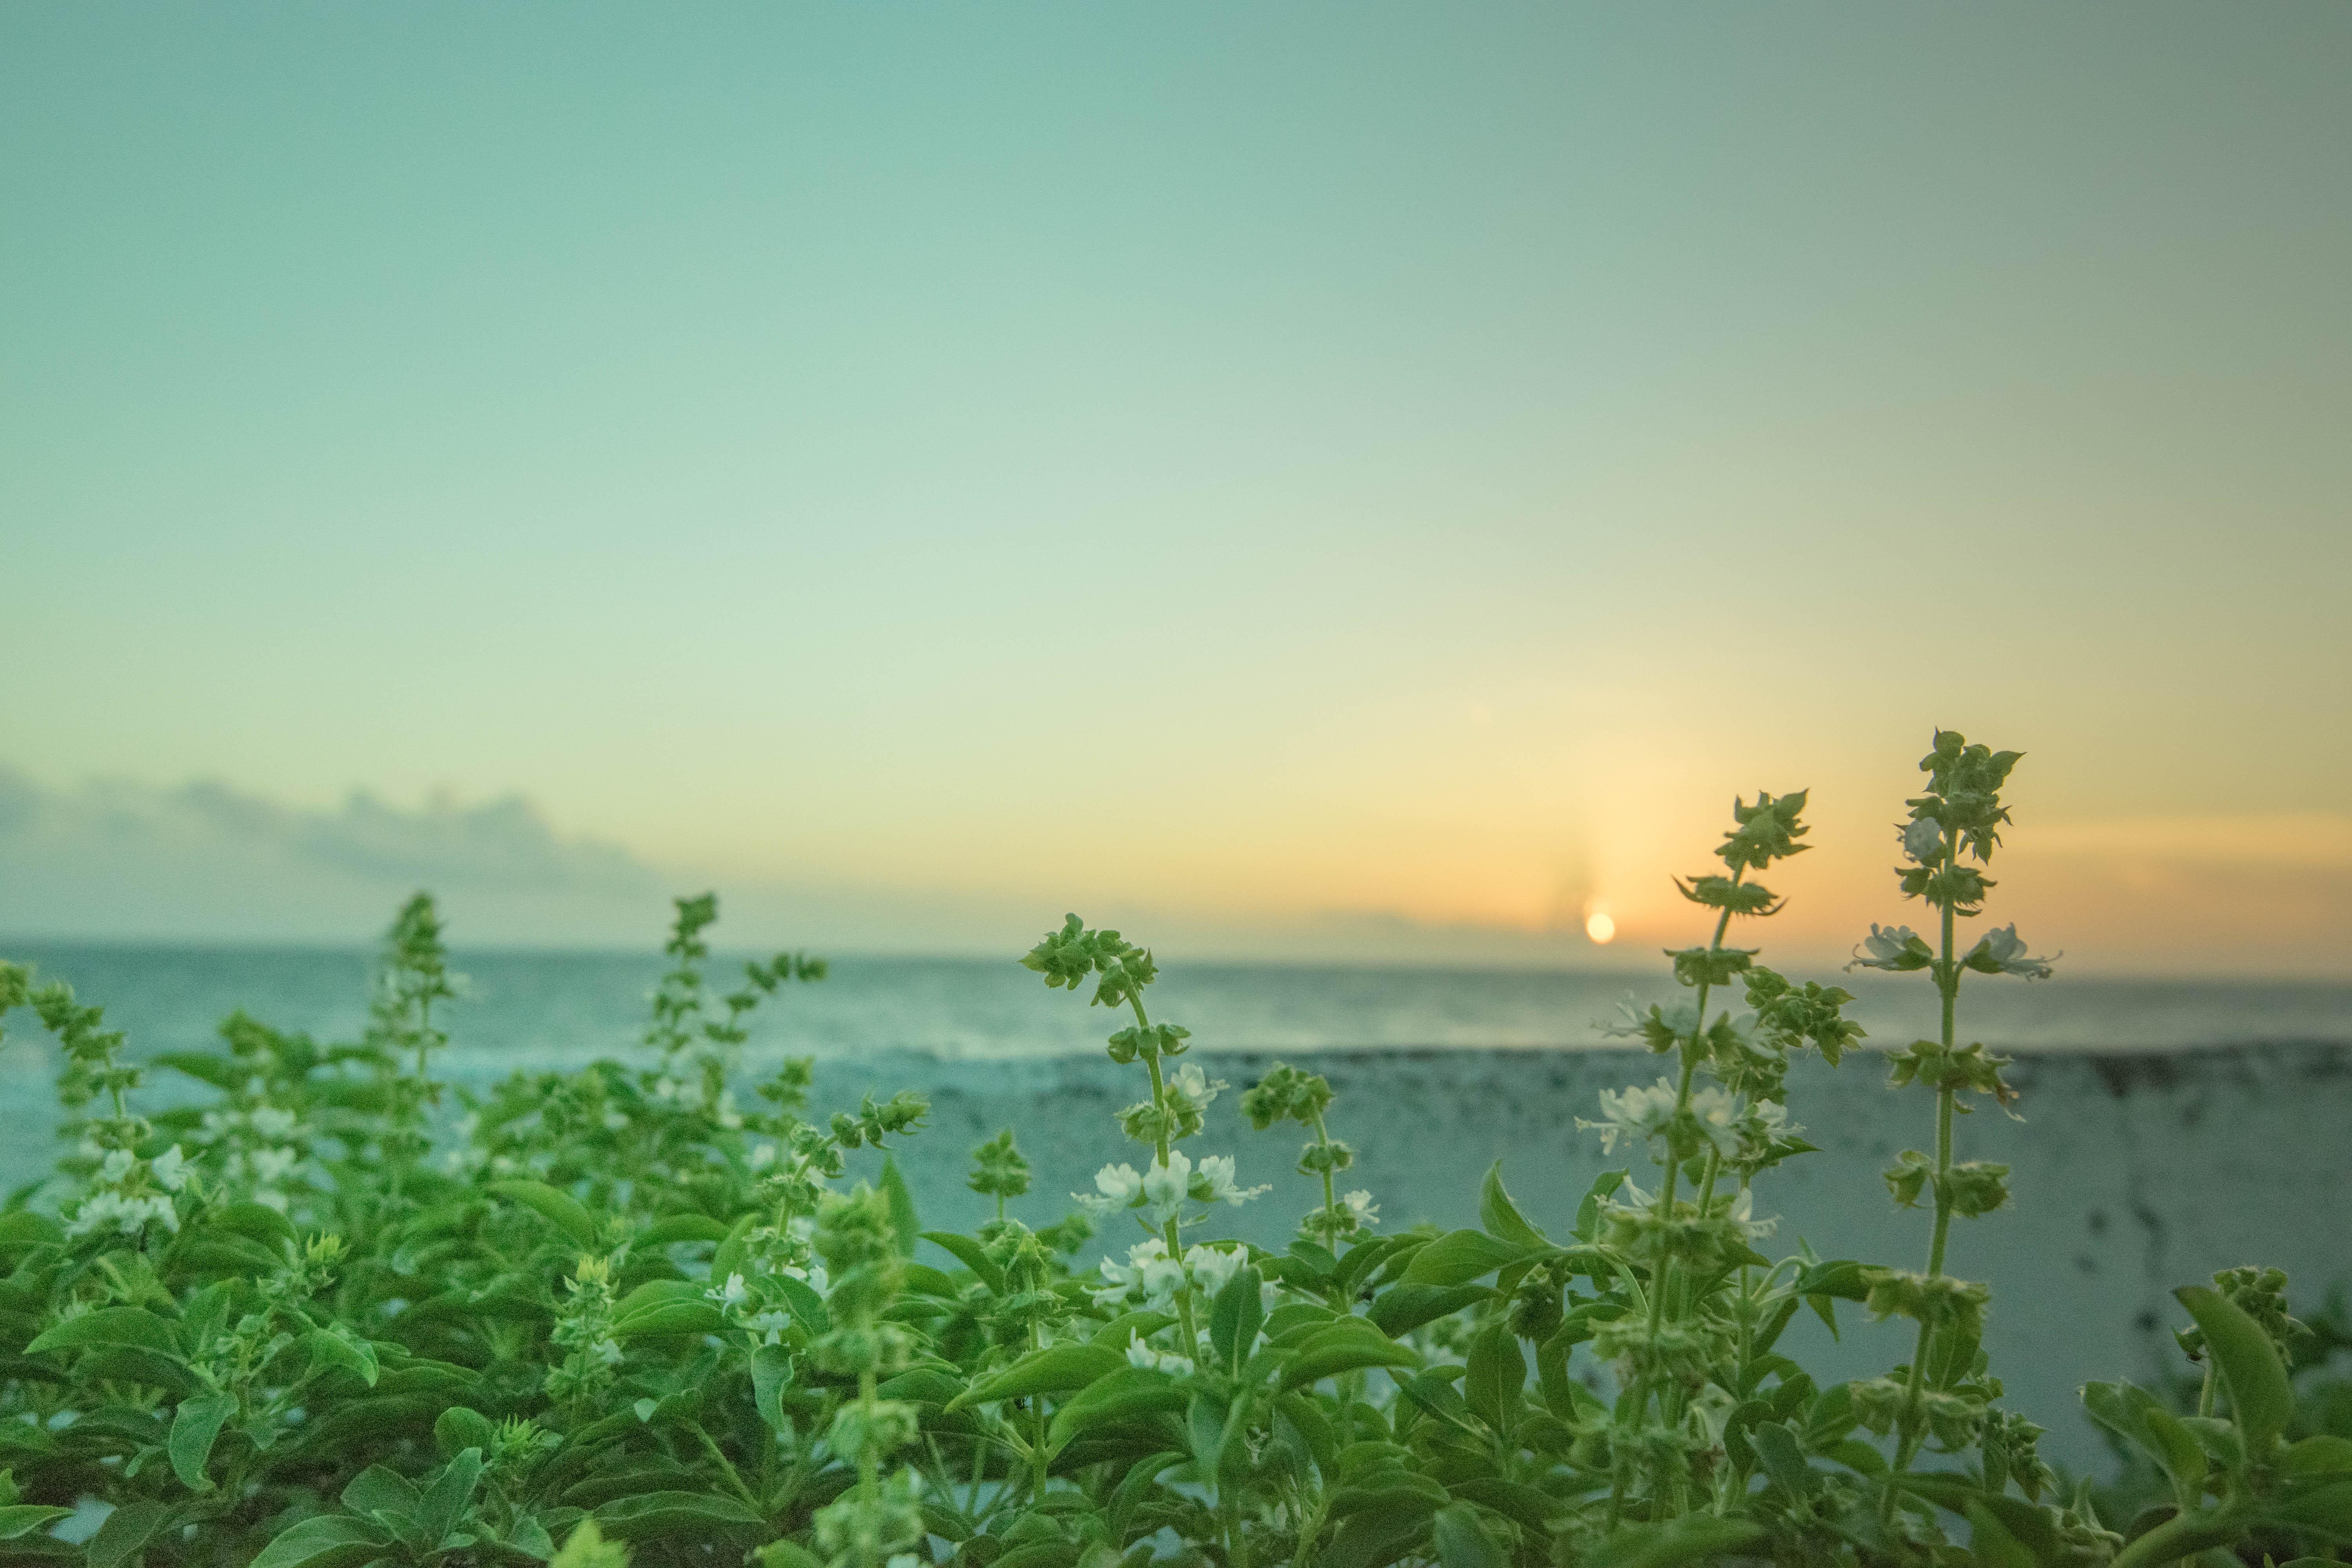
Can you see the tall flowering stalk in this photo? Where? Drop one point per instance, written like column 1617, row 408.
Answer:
column 1690, row 1327
column 702, row 1043
column 1161, row 1268
column 1942, row 1395
column 879, row 1515
column 1287, row 1094
column 127, row 1197
column 412, row 976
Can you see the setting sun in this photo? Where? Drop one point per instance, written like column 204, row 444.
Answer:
column 1599, row 927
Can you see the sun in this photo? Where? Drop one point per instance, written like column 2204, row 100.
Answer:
column 1599, row 927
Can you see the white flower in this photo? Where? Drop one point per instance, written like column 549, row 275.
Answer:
column 1761, row 1125
column 1636, row 1022
column 270, row 1165
column 1164, row 1186
column 1143, row 1355
column 1195, row 1087
column 1923, row 841
column 1118, row 1186
column 169, row 1169
column 97, row 1212
column 1215, row 1183
column 1719, row 1115
column 725, row 1110
column 1360, row 1206
column 271, row 1122
column 1743, row 1207
column 116, row 1166
column 1892, row 948
column 1212, row 1266
column 616, row 1120
column 1635, row 1114
column 770, row 1325
column 2001, row 951
column 734, row 1293
column 1161, row 1278
column 762, row 1156
column 1148, row 1267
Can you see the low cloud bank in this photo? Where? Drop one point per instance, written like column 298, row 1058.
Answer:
column 206, row 863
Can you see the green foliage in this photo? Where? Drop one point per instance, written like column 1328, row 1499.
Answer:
column 624, row 1311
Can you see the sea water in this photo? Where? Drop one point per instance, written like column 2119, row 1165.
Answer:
column 541, row 1010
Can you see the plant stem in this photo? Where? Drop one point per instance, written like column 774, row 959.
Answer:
column 1175, row 1234
column 869, row 1462
column 1947, row 982
column 1661, row 1278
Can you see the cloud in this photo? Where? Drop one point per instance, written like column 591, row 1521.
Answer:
column 206, row 860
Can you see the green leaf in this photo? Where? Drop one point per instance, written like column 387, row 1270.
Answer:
column 772, row 1370
column 335, row 1541
column 1686, row 1540
column 256, row 1221
column 1563, row 1395
column 23, row 1228
column 1056, row 1369
column 1460, row 1255
column 2322, row 1454
column 1588, row 1211
column 194, row 1429
column 904, row 1226
column 1377, row 1536
column 661, row 1516
column 1501, row 1218
column 129, row 1328
column 223, row 1072
column 445, row 1499
column 787, row 1554
column 1462, row 1541
column 22, row 1519
column 2137, row 1417
column 804, row 1302
column 728, row 1258
column 460, row 1428
column 1498, row 1371
column 967, row 1251
column 380, row 1488
column 1990, row 1542
column 1529, row 1506
column 1401, row 1308
column 1235, row 1316
column 2323, row 1510
column 677, row 1227
column 1783, row 1459
column 670, row 1318
column 338, row 1346
column 127, row 1530
column 2260, row 1397
column 1336, row 1351
column 1130, row 1392
column 560, row 1210
column 1845, row 1279
column 1129, row 1326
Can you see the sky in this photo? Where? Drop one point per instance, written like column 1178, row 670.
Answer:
column 1365, row 482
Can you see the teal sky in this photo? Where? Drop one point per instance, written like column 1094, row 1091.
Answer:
column 1366, row 478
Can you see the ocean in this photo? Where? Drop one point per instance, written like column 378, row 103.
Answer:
column 536, row 1010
